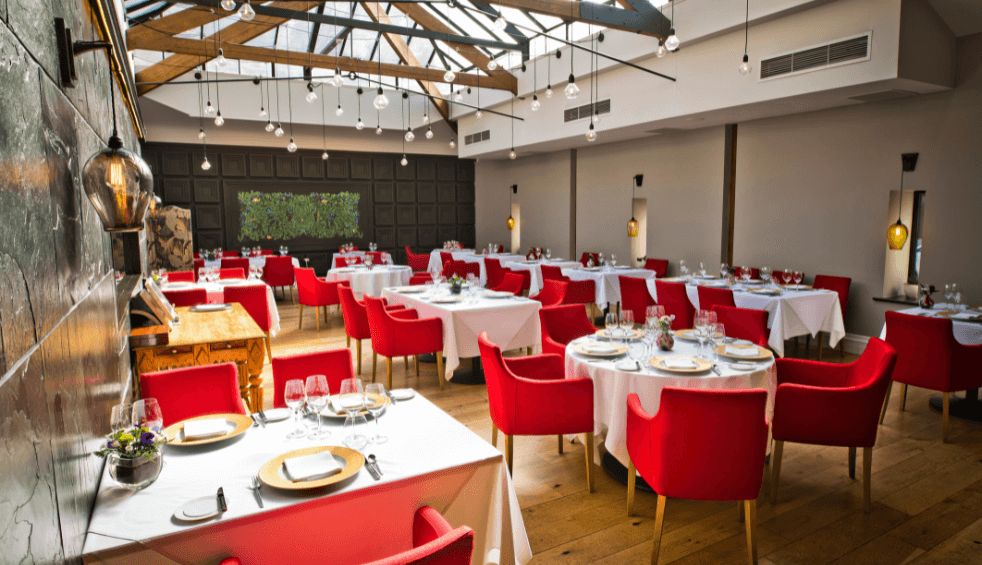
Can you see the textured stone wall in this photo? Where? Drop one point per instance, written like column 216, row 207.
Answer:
column 63, row 359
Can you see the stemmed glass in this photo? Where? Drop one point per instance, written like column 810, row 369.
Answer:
column 627, row 324
column 652, row 314
column 947, row 293
column 798, row 276
column 683, row 268
column 765, row 274
column 352, row 400
column 147, row 414
column 317, row 396
column 294, row 396
column 203, row 274
column 723, row 269
column 610, row 322
column 700, row 323
column 613, row 260
column 548, row 254
column 718, row 337
column 122, row 417
column 702, row 269
column 787, row 278
column 259, row 272
column 435, row 275
column 745, row 273
column 376, row 411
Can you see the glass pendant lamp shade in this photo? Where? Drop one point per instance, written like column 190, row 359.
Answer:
column 228, row 5
column 201, row 133
column 596, row 117
column 205, row 165
column 209, row 109
column 360, row 125
column 426, row 119
column 404, row 161
column 262, row 112
column 897, row 235
column 745, row 67
column 571, row 89
column 510, row 222
column 311, row 95
column 512, row 155
column 449, row 76
column 632, row 227
column 457, row 96
column 535, row 103
column 453, row 142
column 381, row 100
column 269, row 126
column 479, row 114
column 492, row 65
column 219, row 120
column 337, row 80
column 324, row 155
column 378, row 130
column 500, row 24
column 548, row 91
column 120, row 185
column 291, row 147
column 591, row 134
column 339, row 112
column 672, row 43
column 279, row 131
column 410, row 135
column 429, row 133
column 661, row 51
column 246, row 12
column 221, row 58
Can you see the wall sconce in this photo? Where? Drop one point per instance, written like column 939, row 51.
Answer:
column 511, row 221
column 632, row 224
column 897, row 233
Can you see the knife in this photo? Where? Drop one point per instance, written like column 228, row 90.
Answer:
column 221, row 500
column 716, row 370
column 262, row 417
column 256, row 485
column 392, row 399
column 372, row 472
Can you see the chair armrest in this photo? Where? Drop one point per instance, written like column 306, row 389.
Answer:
column 429, row 525
column 230, row 561
column 546, row 367
column 824, row 402
column 419, row 327
column 812, row 373
column 404, row 314
column 551, row 346
column 394, row 307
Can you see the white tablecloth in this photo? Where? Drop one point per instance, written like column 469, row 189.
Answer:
column 216, row 295
column 253, row 261
column 536, row 270
column 371, row 281
column 430, row 459
column 966, row 333
column 436, row 263
column 611, row 388
column 608, row 287
column 386, row 258
column 510, row 323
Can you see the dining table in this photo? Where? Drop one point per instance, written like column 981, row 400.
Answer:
column 458, row 254
column 365, row 281
column 356, row 520
column 386, row 257
column 534, row 267
column 216, row 295
column 606, row 280
column 510, row 321
column 258, row 261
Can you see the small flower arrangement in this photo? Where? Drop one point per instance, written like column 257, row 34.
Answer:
column 132, row 443
column 664, row 338
column 925, row 301
column 456, row 283
column 664, row 323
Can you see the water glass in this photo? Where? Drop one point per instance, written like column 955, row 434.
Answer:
column 765, row 274
column 627, row 322
column 318, row 395
column 294, row 396
column 122, row 417
column 352, row 400
column 723, row 269
column 745, row 273
column 610, row 322
column 702, row 269
column 147, row 414
column 798, row 276
column 613, row 260
column 683, row 268
column 548, row 254
column 376, row 411
column 719, row 339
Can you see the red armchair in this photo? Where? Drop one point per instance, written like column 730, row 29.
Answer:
column 267, row 252
column 635, row 297
column 445, row 256
column 377, row 256
column 576, row 292
column 832, row 404
column 340, row 262
column 754, row 272
column 418, row 262
column 676, row 302
column 659, row 266
column 743, row 323
column 399, row 335
column 180, row 276
column 553, row 273
column 253, row 299
column 198, row 265
column 561, row 325
column 840, row 285
column 335, row 364
column 235, row 263
column 711, row 297
column 420, row 278
column 514, row 283
column 356, row 320
column 278, row 272
column 315, row 292
column 236, row 273
column 701, row 445
column 194, row 391
column 531, row 396
column 929, row 357
column 553, row 293
column 494, row 272
column 189, row 297
column 586, row 257
column 461, row 269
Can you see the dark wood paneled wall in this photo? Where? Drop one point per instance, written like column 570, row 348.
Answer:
column 60, row 337
column 421, row 205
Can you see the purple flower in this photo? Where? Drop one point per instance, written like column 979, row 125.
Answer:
column 146, row 438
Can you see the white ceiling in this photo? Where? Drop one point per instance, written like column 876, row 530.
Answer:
column 964, row 17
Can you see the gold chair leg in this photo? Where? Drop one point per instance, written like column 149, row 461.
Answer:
column 903, row 397
column 740, row 513
column 439, row 367
column 632, row 479
column 886, row 400
column 269, row 349
column 348, row 337
column 374, row 364
column 388, row 373
column 589, row 461
column 300, row 325
column 776, row 472
column 852, row 462
column 416, row 363
column 405, row 360
column 317, row 316
column 659, row 526
column 358, row 353
column 494, row 435
column 509, row 453
column 560, row 443
column 751, row 508
column 867, row 472
column 945, row 426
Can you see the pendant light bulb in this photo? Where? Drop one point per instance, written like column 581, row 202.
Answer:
column 426, row 119
column 360, row 125
column 337, row 80
column 453, row 143
column 219, row 120
column 592, row 134
column 500, row 24
column 262, row 112
column 381, row 100
column 449, row 76
column 209, row 109
column 246, row 12
column 404, row 161
column 410, row 135
column 596, row 117
column 457, row 96
column 429, row 133
column 479, row 114
column 339, row 112
column 512, row 154
column 201, row 133
column 745, row 67
column 661, row 51
column 221, row 58
column 311, row 95
column 291, row 147
column 324, row 156
column 492, row 65
column 535, row 102
column 205, row 165
column 378, row 130
column 548, row 91
column 279, row 130
column 269, row 126
column 672, row 43
column 571, row 89
column 228, row 5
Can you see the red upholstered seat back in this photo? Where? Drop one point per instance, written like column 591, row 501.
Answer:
column 672, row 296
column 180, row 276
column 743, row 323
column 434, row 542
column 838, row 284
column 194, row 391
column 189, row 297
column 635, row 297
column 253, row 298
column 659, row 266
column 376, row 257
column 234, row 263
column 228, row 255
column 340, row 262
column 198, row 265
column 711, row 297
column 278, row 271
column 354, row 314
column 564, row 323
column 513, row 283
column 335, row 364
column 461, row 269
column 266, row 252
column 417, row 261
column 445, row 256
column 552, row 293
column 493, row 272
column 553, row 273
column 224, row 274
column 925, row 353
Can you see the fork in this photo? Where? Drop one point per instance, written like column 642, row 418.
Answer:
column 715, row 369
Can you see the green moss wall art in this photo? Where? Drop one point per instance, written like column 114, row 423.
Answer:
column 284, row 216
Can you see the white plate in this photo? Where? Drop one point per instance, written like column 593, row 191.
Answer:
column 210, row 307
column 601, row 348
column 278, row 414
column 178, row 286
column 742, row 343
column 743, row 366
column 199, row 509
column 627, row 366
column 445, row 300
column 410, row 289
column 403, row 393
column 494, row 294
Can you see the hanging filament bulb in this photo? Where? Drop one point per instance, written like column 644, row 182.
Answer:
column 492, row 65
column 661, row 51
column 291, row 147
column 246, row 12
column 339, row 112
column 673, row 40
column 404, row 161
column 219, row 120
column 269, row 126
column 457, row 96
column 500, row 24
column 311, row 95
column 205, row 165
column 221, row 58
column 591, row 135
column 360, row 125
column 548, row 91
column 429, row 133
column 426, row 119
column 337, row 77
column 228, row 5
column 571, row 90
column 279, row 130
column 378, row 130
column 410, row 135
column 381, row 100
column 535, row 103
column 596, row 117
column 324, row 155
column 449, row 76
column 479, row 114
column 201, row 133
column 262, row 112
column 512, row 154
column 453, row 143
column 209, row 109
column 745, row 67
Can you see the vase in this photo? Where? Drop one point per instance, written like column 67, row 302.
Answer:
column 730, row 280
column 665, row 340
column 135, row 474
column 455, row 289
column 925, row 302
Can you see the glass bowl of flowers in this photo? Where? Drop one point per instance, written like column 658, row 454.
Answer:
column 134, row 456
column 456, row 284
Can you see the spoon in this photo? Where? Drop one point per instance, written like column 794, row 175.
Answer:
column 373, row 463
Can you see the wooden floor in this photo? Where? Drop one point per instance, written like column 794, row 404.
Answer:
column 927, row 496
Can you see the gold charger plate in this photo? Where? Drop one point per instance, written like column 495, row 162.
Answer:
column 701, row 365
column 270, row 475
column 761, row 353
column 635, row 334
column 174, row 435
column 378, row 400
column 798, row 286
column 618, row 350
column 767, row 291
column 690, row 335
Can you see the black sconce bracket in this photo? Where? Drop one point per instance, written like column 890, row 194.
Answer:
column 909, row 161
column 69, row 49
column 638, row 179
column 514, row 189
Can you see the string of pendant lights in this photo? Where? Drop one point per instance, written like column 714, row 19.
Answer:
column 745, row 67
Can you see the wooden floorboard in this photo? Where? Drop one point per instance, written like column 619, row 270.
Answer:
column 927, row 496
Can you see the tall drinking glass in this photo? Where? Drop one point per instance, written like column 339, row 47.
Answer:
column 610, row 322
column 702, row 269
column 627, row 323
column 122, row 417
column 719, row 338
column 294, row 396
column 352, row 400
column 318, row 395
column 723, row 269
column 700, row 322
column 376, row 411
column 683, row 268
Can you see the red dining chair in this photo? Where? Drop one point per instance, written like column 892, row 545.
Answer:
column 561, row 325
column 531, row 396
column 576, row 292
column 754, row 272
column 435, row 542
column 376, row 256
column 198, row 265
column 514, row 283
column 585, row 258
column 228, row 255
column 418, row 262
column 553, row 273
column 673, row 297
column 743, row 323
column 341, row 262
column 494, row 272
column 225, row 274
column 335, row 364
column 194, row 391
column 400, row 335
column 553, row 293
column 278, row 272
column 445, row 256
column 189, row 297
column 253, row 298
column 461, row 269
column 700, row 445
column 840, row 285
column 180, row 276
column 928, row 356
column 420, row 278
column 659, row 266
column 635, row 297
column 710, row 297
column 832, row 404
column 235, row 263
column 312, row 291
column 356, row 320
column 267, row 252
column 197, row 255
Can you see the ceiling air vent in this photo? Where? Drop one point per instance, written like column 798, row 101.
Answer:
column 585, row 111
column 477, row 137
column 849, row 50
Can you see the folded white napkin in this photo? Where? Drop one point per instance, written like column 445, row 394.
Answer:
column 742, row 343
column 741, row 351
column 679, row 363
column 599, row 348
column 311, row 467
column 202, row 429
column 964, row 316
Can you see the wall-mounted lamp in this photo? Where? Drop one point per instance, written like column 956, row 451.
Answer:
column 632, row 224
column 897, row 232
column 511, row 221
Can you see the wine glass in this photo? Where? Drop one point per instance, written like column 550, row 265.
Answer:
column 435, row 275
column 627, row 323
column 203, row 274
column 798, row 276
column 683, row 268
column 548, row 254
column 352, row 400
column 147, row 414
column 700, row 323
column 610, row 322
column 745, row 273
column 955, row 294
column 317, row 396
column 376, row 411
column 787, row 277
column 122, row 417
column 259, row 272
column 702, row 269
column 719, row 338
column 613, row 260
column 765, row 274
column 294, row 396
column 723, row 269
column 947, row 292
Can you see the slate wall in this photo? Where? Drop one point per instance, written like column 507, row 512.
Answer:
column 63, row 359
column 422, row 204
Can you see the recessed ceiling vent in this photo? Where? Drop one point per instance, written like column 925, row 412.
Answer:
column 851, row 50
column 477, row 137
column 585, row 111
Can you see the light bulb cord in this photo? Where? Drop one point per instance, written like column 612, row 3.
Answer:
column 900, row 210
column 746, row 29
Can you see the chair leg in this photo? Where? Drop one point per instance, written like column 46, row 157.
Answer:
column 374, row 364
column 886, row 400
column 269, row 349
column 903, row 397
column 300, row 325
column 945, row 427
column 867, row 472
column 358, row 353
column 659, row 526
column 317, row 316
column 416, row 363
column 632, row 480
column 348, row 337
column 740, row 513
column 439, row 367
column 751, row 508
column 291, row 294
column 388, row 373
column 852, row 462
column 405, row 360
column 819, row 340
column 842, row 348
column 509, row 453
column 560, row 443
column 494, row 435
column 776, row 472
column 589, row 461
